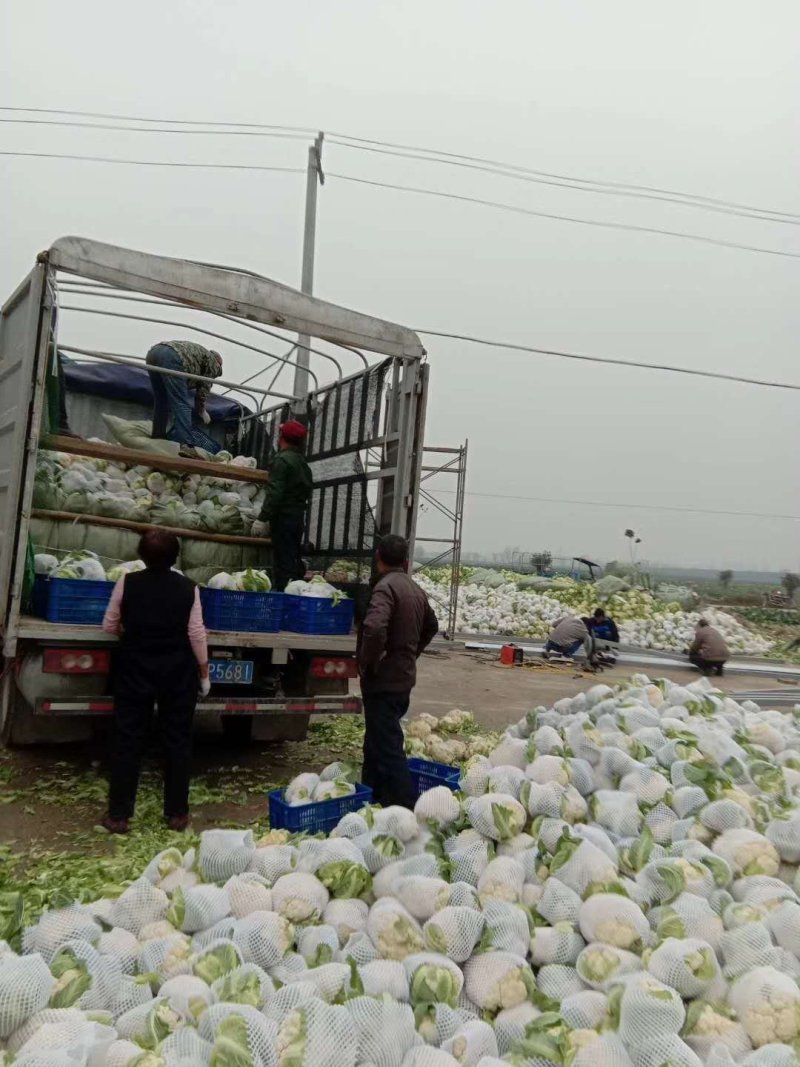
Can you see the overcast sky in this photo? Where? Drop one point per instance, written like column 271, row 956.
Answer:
column 696, row 97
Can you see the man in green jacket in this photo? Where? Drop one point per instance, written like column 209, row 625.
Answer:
column 284, row 511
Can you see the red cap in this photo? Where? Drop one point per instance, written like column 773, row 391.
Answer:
column 293, row 431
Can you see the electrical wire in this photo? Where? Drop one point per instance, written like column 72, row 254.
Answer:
column 154, row 162
column 509, row 171
column 608, row 359
column 563, row 218
column 438, row 155
column 155, row 129
column 608, row 504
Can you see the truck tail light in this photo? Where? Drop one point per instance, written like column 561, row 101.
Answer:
column 334, row 667
column 76, row 661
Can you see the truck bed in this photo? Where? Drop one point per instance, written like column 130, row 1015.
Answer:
column 41, row 630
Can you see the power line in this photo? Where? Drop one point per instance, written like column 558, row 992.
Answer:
column 153, row 162
column 508, row 171
column 155, row 129
column 646, row 507
column 563, row 218
column 608, row 359
column 438, row 155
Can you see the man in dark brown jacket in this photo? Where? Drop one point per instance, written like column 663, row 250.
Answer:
column 398, row 626
column 708, row 652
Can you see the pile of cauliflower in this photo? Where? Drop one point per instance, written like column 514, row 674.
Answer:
column 451, row 738
column 86, row 486
column 616, row 884
column 643, row 620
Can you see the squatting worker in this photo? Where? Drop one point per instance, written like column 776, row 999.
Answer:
column 568, row 636
column 162, row 659
column 284, row 510
column 398, row 626
column 708, row 652
column 602, row 626
column 177, row 415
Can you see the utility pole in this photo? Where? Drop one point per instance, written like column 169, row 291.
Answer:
column 314, row 174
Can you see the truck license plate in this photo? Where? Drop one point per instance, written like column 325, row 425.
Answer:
column 231, row 671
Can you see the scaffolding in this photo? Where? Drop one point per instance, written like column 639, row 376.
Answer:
column 454, row 466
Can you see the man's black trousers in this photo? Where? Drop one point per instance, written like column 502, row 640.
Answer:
column 707, row 666
column 385, row 765
column 286, row 532
column 140, row 682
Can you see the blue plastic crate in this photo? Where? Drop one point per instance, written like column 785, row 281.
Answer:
column 39, row 596
column 76, row 600
column 317, row 817
column 426, row 774
column 318, row 615
column 229, row 609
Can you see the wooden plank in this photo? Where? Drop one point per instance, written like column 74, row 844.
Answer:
column 143, row 527
column 134, row 458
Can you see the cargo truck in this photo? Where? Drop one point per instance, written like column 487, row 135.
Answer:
column 365, row 440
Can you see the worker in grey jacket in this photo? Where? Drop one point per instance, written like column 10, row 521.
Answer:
column 398, row 626
column 568, row 636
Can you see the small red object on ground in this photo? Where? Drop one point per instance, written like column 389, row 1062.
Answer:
column 510, row 655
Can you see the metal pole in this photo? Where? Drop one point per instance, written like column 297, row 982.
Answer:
column 314, row 174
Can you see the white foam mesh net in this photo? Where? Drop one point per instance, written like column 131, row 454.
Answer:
column 347, row 917
column 558, row 903
column 291, row 968
column 385, row 1030
column 330, row 979
column 131, row 993
column 785, row 836
column 488, row 984
column 663, row 1048
column 224, row 853
column 25, row 988
column 203, row 906
column 613, row 919
column 584, row 1010
column 350, row 825
column 558, row 980
column 56, row 927
column 288, row 999
column 784, row 922
column 121, row 1053
column 394, row 932
column 263, row 938
column 721, row 815
column 471, row 1041
column 606, row 1049
column 688, row 965
column 599, row 965
column 493, row 813
column 121, row 945
column 247, row 893
column 140, row 904
column 688, row 799
column 510, row 1023
column 551, row 944
column 617, row 812
column 746, row 947
column 223, row 930
column 359, row 948
column 273, row 861
column 425, row 865
column 648, row 1009
column 188, row 995
column 313, row 854
column 506, row 927
column 396, row 820
column 421, row 896
column 260, row 1034
column 438, row 806
column 385, row 976
column 502, row 879
column 317, row 944
column 246, row 984
column 185, row 1046
column 475, row 778
column 299, row 897
column 454, row 932
column 330, row 1038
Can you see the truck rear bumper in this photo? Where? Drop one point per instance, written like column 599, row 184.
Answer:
column 322, row 705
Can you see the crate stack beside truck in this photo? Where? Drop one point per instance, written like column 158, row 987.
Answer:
column 365, row 438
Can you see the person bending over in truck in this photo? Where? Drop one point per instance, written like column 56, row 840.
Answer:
column 162, row 659
column 398, row 626
column 568, row 636
column 177, row 414
column 708, row 652
column 283, row 513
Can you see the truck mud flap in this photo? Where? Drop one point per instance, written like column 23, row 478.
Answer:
column 322, row 705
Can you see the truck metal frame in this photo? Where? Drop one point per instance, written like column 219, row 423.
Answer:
column 379, row 409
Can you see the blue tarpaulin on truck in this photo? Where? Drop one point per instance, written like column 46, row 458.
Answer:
column 116, row 382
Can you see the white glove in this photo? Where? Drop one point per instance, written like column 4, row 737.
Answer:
column 206, row 418
column 205, row 686
column 260, row 529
